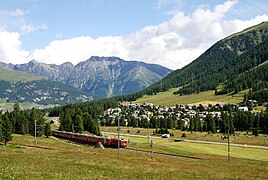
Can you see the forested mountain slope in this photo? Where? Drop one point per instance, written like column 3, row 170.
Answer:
column 222, row 63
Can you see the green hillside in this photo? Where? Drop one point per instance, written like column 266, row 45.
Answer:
column 41, row 92
column 15, row 76
column 223, row 63
column 167, row 98
column 17, row 86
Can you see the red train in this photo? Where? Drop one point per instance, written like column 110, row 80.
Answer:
column 106, row 141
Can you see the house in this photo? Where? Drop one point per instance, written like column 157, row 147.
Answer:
column 252, row 102
column 204, row 107
column 191, row 113
column 186, row 121
column 219, row 105
column 180, row 106
column 151, row 105
column 108, row 111
column 243, row 109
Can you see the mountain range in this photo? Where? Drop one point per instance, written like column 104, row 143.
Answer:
column 235, row 63
column 17, row 86
column 100, row 77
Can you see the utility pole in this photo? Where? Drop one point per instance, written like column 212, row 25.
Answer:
column 118, row 142
column 152, row 150
column 148, row 139
column 228, row 146
column 35, row 140
column 73, row 126
column 104, row 134
column 35, row 129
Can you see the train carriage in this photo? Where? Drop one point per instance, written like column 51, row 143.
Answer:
column 76, row 136
column 92, row 139
column 106, row 141
column 68, row 135
column 122, row 143
column 83, row 137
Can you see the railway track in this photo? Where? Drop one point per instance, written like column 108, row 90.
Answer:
column 159, row 153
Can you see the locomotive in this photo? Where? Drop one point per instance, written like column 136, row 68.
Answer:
column 91, row 139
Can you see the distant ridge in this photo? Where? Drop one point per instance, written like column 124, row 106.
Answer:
column 17, row 86
column 99, row 76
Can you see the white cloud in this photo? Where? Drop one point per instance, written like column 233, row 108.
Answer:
column 173, row 43
column 14, row 13
column 78, row 49
column 10, row 48
column 28, row 28
column 15, row 20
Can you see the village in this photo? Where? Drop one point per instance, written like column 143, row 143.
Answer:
column 146, row 112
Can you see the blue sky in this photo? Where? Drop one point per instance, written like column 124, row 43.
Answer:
column 167, row 32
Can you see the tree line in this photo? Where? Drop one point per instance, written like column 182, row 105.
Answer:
column 22, row 122
column 75, row 120
column 83, row 116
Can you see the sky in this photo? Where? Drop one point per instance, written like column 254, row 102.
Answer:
column 171, row 33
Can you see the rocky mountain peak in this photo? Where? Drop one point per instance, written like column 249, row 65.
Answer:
column 100, row 76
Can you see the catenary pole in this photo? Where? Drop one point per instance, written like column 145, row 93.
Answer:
column 118, row 140
column 228, row 146
column 35, row 140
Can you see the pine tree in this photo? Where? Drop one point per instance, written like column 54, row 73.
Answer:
column 88, row 121
column 213, row 126
column 32, row 118
column 24, row 123
column 14, row 117
column 48, row 130
column 1, row 129
column 6, row 129
column 68, row 122
column 78, row 122
column 192, row 125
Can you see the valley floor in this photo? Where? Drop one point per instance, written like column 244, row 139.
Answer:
column 59, row 159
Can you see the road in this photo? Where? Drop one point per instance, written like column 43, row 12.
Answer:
column 196, row 141
column 56, row 122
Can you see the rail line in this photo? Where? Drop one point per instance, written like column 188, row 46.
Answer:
column 159, row 153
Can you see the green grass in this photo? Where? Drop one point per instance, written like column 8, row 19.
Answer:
column 238, row 138
column 9, row 105
column 259, row 108
column 15, row 76
column 197, row 149
column 168, row 99
column 57, row 159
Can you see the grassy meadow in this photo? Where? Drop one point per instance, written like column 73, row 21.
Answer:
column 169, row 99
column 59, row 159
column 237, row 138
column 9, row 105
column 15, row 76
